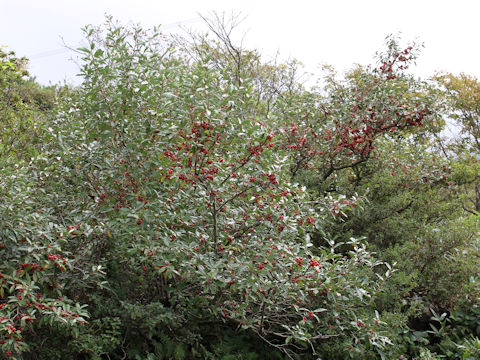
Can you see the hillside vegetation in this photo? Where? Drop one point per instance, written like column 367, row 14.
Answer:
column 190, row 200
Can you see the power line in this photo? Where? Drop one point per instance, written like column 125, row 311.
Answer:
column 48, row 53
column 183, row 22
column 62, row 50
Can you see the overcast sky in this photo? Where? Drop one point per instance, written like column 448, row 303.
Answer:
column 335, row 32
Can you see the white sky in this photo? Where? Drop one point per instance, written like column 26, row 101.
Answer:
column 335, row 32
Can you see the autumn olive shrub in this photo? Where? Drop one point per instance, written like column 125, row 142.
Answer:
column 200, row 203
column 335, row 128
column 163, row 204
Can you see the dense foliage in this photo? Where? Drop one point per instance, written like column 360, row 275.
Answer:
column 189, row 200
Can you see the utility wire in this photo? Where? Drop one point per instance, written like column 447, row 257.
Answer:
column 62, row 50
column 183, row 22
column 48, row 53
